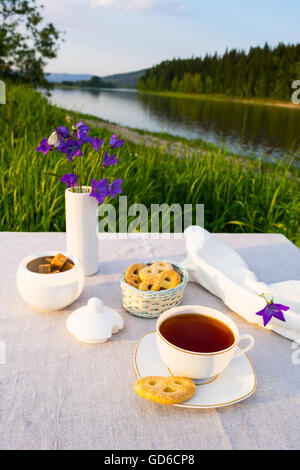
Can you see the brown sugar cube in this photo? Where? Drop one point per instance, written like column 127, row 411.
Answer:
column 49, row 259
column 44, row 268
column 54, row 269
column 58, row 261
column 67, row 266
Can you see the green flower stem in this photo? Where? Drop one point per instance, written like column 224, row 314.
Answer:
column 264, row 297
column 80, row 174
column 51, row 174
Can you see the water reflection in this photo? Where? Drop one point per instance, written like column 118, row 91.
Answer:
column 245, row 128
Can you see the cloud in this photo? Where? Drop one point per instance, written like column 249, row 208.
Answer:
column 165, row 7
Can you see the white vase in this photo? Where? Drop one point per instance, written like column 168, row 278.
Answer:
column 81, row 228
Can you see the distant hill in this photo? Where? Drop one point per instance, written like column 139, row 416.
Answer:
column 121, row 80
column 125, row 80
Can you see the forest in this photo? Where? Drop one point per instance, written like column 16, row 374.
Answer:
column 263, row 72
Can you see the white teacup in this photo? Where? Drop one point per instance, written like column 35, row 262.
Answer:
column 197, row 365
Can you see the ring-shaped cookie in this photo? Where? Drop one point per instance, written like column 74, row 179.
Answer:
column 155, row 269
column 167, row 280
column 150, row 283
column 132, row 274
column 165, row 390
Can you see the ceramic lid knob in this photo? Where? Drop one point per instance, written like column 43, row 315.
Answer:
column 94, row 323
column 94, row 305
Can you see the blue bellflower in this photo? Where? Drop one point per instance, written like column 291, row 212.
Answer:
column 96, row 143
column 63, row 132
column 109, row 160
column 99, row 190
column 81, row 131
column 115, row 188
column 44, row 146
column 70, row 179
column 72, row 148
column 115, row 143
column 272, row 310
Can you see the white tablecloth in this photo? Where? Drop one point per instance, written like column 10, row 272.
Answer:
column 56, row 393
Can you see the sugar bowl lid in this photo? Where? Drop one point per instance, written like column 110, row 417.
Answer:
column 95, row 322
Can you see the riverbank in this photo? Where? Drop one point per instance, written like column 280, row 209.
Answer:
column 248, row 197
column 166, row 143
column 258, row 101
column 169, row 144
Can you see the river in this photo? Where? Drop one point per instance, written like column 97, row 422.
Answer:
column 246, row 129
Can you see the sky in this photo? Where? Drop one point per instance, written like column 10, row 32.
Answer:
column 103, row 37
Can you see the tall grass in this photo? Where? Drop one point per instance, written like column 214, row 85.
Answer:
column 238, row 198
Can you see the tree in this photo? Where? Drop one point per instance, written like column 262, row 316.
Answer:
column 208, row 85
column 26, row 41
column 174, row 84
column 197, row 83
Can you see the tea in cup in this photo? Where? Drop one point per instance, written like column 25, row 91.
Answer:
column 198, row 342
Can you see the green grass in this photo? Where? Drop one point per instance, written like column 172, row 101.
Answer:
column 238, row 198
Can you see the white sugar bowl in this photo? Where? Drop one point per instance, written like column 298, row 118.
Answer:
column 94, row 323
column 47, row 292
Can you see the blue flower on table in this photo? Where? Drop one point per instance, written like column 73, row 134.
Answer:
column 272, row 310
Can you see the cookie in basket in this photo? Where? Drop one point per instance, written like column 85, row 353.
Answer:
column 149, row 283
column 165, row 390
column 157, row 276
column 167, row 280
column 154, row 269
column 132, row 274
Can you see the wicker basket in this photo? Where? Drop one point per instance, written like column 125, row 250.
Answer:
column 150, row 304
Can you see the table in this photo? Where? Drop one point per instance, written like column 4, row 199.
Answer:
column 57, row 393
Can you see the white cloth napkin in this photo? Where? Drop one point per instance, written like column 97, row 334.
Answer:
column 221, row 270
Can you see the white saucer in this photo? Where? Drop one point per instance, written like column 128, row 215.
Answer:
column 236, row 383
